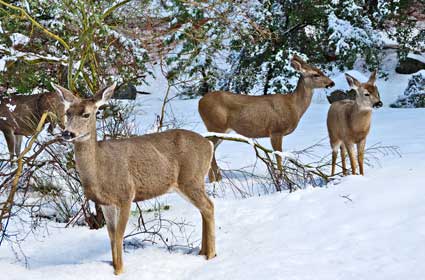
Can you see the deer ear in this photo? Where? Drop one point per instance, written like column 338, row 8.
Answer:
column 297, row 63
column 66, row 95
column 104, row 95
column 372, row 78
column 352, row 82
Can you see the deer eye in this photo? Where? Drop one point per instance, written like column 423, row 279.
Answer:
column 86, row 115
column 367, row 94
column 316, row 75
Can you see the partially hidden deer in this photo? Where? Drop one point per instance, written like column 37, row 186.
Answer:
column 114, row 173
column 349, row 122
column 271, row 116
column 20, row 115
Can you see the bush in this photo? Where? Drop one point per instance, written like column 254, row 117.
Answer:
column 414, row 95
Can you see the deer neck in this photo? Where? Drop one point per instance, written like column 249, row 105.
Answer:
column 361, row 117
column 302, row 96
column 85, row 158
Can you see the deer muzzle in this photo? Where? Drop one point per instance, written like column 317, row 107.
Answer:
column 67, row 135
column 330, row 85
column 378, row 104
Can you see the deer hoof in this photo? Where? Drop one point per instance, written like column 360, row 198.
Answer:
column 211, row 256
column 118, row 271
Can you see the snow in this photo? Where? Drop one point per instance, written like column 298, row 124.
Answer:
column 2, row 65
column 419, row 57
column 11, row 107
column 19, row 39
column 344, row 34
column 370, row 227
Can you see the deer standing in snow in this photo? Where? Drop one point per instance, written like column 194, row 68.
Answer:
column 20, row 115
column 271, row 116
column 349, row 122
column 114, row 173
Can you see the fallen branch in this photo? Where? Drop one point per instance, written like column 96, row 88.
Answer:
column 300, row 172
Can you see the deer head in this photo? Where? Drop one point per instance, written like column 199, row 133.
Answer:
column 312, row 75
column 80, row 114
column 367, row 94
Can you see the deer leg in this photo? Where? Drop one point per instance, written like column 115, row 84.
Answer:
column 18, row 144
column 360, row 154
column 334, row 157
column 10, row 140
column 350, row 149
column 124, row 213
column 200, row 200
column 343, row 163
column 110, row 213
column 214, row 172
column 276, row 140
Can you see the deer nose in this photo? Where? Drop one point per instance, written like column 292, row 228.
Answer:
column 67, row 135
column 378, row 104
column 330, row 85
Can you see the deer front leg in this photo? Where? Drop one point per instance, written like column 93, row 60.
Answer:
column 110, row 213
column 124, row 213
column 343, row 163
column 350, row 149
column 276, row 140
column 360, row 154
column 334, row 158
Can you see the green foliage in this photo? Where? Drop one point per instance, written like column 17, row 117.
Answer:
column 78, row 43
column 198, row 34
column 246, row 48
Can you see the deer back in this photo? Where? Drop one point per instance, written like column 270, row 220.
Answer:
column 251, row 116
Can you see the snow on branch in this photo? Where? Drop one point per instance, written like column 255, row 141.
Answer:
column 10, row 54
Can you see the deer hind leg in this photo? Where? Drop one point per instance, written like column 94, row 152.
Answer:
column 18, row 144
column 343, row 156
column 124, row 213
column 214, row 174
column 360, row 154
column 10, row 140
column 276, row 140
column 110, row 213
column 350, row 149
column 200, row 200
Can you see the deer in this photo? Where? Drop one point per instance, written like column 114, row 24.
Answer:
column 20, row 115
column 273, row 116
column 349, row 121
column 116, row 172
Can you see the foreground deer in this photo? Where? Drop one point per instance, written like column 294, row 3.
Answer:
column 349, row 122
column 116, row 172
column 271, row 116
column 20, row 115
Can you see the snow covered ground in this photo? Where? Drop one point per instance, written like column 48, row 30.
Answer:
column 370, row 227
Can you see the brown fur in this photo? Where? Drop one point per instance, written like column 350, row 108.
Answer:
column 23, row 120
column 116, row 172
column 349, row 123
column 271, row 116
